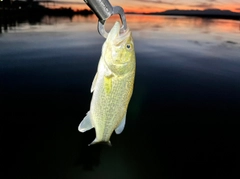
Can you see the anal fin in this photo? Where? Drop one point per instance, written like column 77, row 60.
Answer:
column 86, row 123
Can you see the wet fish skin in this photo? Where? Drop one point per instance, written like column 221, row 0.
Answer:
column 112, row 86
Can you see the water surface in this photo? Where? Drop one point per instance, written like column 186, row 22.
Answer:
column 180, row 118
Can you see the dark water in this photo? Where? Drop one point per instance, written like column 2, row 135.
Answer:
column 182, row 121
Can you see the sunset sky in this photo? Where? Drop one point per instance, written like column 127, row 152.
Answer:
column 161, row 5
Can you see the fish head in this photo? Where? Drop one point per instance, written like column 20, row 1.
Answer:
column 118, row 50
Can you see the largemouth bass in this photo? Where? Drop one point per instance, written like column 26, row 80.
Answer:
column 112, row 86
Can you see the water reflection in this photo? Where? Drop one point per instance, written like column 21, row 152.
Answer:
column 8, row 23
column 137, row 23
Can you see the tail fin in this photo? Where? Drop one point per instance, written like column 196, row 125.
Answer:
column 100, row 142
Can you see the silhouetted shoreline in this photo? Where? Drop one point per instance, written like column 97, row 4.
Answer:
column 207, row 13
column 14, row 13
column 44, row 11
column 33, row 8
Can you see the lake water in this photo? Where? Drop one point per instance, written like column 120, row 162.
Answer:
column 181, row 118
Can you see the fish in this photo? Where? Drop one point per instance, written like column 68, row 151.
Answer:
column 112, row 86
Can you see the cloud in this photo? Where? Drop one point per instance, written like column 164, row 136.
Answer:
column 203, row 5
column 237, row 9
column 157, row 1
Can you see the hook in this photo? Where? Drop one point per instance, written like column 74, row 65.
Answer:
column 103, row 10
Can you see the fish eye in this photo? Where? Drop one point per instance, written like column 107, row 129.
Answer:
column 128, row 46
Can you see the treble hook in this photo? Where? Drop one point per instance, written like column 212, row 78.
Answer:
column 103, row 10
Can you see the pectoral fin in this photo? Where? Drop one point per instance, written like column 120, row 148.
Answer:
column 94, row 82
column 121, row 126
column 86, row 123
column 107, row 72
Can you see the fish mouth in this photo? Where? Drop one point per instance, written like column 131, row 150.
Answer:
column 118, row 34
column 123, row 35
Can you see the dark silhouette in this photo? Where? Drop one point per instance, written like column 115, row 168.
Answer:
column 16, row 12
column 34, row 8
column 207, row 13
